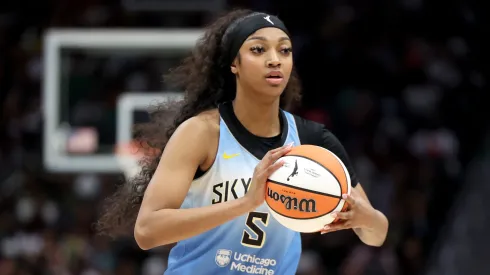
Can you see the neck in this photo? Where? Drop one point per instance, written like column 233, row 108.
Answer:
column 259, row 117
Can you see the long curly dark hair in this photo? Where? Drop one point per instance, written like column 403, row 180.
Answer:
column 207, row 81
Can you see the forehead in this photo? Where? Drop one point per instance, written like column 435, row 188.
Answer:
column 272, row 34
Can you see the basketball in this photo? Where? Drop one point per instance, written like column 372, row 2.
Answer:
column 307, row 188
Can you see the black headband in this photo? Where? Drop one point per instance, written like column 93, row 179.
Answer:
column 243, row 27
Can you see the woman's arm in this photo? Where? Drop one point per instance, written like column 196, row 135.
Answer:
column 374, row 233
column 369, row 224
column 160, row 221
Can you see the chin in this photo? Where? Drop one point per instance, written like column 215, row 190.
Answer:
column 273, row 90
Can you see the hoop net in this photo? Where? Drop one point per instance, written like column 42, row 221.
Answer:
column 129, row 155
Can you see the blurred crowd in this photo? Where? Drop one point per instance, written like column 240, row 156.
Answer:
column 397, row 82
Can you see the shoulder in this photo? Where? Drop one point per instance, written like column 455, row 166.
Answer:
column 199, row 130
column 202, row 125
column 199, row 136
column 314, row 133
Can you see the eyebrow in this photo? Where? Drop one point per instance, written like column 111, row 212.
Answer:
column 284, row 38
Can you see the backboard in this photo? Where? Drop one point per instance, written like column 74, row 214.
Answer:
column 97, row 83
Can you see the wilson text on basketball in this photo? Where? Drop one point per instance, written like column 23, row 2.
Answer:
column 302, row 205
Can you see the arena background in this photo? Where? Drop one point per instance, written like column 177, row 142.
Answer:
column 403, row 84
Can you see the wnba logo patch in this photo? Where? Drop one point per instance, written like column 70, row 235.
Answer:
column 223, row 257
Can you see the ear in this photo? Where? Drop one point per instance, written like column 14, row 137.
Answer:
column 233, row 68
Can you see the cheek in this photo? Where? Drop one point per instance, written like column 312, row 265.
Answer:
column 287, row 64
column 251, row 66
column 287, row 68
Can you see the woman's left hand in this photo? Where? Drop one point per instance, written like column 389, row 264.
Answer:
column 359, row 214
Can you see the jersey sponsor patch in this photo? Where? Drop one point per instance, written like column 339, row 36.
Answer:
column 245, row 263
column 223, row 257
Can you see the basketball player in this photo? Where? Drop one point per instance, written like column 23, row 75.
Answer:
column 206, row 191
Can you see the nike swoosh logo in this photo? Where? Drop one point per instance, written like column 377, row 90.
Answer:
column 226, row 156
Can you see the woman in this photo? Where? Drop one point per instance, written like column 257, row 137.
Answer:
column 206, row 191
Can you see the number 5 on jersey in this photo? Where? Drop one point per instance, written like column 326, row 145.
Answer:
column 247, row 239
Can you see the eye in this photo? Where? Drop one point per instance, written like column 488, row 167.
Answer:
column 286, row 50
column 257, row 49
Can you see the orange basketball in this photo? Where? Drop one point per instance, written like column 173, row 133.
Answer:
column 307, row 188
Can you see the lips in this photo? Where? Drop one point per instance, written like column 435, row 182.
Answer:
column 274, row 74
column 274, row 78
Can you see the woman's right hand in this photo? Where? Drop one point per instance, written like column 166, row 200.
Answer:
column 268, row 165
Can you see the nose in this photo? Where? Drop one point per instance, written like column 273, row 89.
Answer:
column 273, row 61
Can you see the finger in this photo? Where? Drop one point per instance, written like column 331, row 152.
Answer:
column 343, row 215
column 328, row 231
column 334, row 227
column 272, row 168
column 337, row 226
column 273, row 155
column 278, row 149
column 282, row 147
column 349, row 199
column 265, row 173
column 276, row 155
